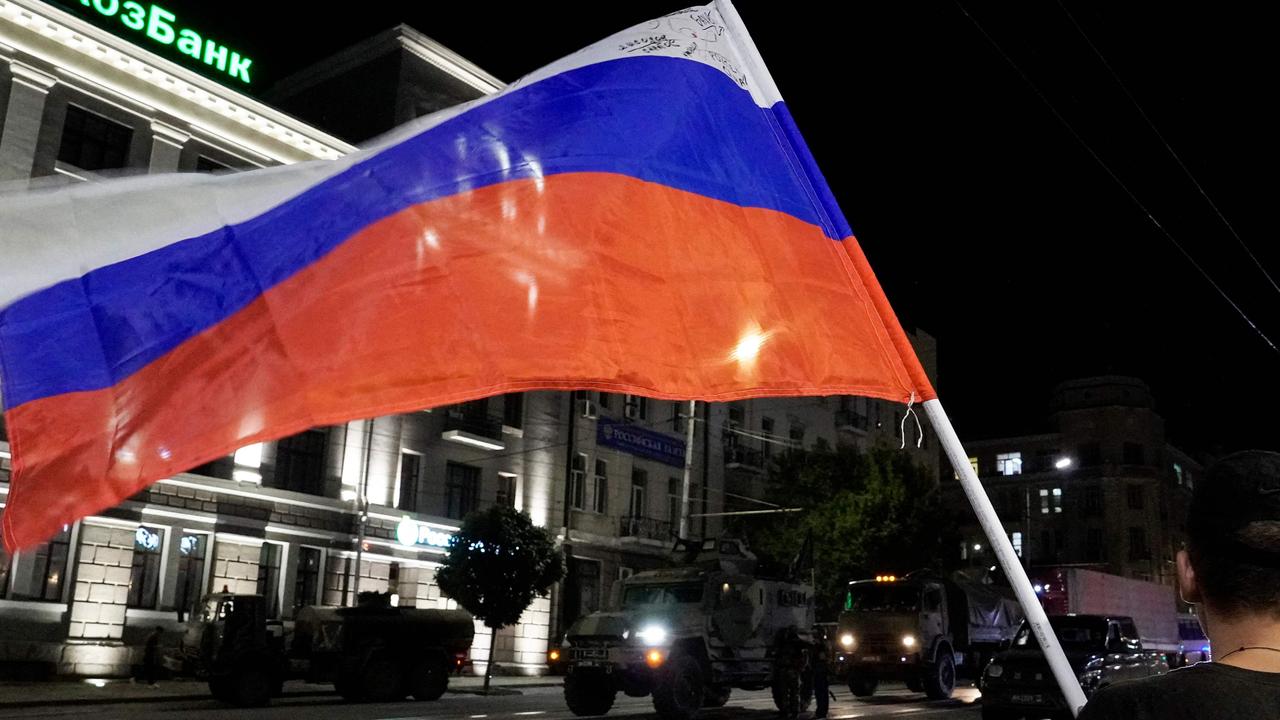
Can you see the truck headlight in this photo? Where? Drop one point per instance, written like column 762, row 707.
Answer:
column 995, row 670
column 652, row 635
column 846, row 640
column 908, row 641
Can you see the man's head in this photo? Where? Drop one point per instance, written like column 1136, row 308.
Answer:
column 1232, row 560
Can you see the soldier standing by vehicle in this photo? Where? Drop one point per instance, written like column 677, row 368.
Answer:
column 821, row 689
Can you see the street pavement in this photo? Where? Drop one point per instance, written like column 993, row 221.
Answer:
column 521, row 699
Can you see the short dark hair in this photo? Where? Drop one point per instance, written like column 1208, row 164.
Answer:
column 1233, row 530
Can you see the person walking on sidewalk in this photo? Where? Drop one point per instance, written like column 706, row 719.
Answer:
column 821, row 688
column 151, row 657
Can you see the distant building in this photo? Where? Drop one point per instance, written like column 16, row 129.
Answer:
column 1105, row 489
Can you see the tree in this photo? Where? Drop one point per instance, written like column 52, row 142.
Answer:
column 497, row 563
column 869, row 513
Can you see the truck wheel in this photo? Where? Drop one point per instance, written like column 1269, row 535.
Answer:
column 588, row 695
column 428, row 680
column 940, row 677
column 249, row 686
column 381, row 679
column 679, row 692
column 716, row 696
column 862, row 685
column 784, row 684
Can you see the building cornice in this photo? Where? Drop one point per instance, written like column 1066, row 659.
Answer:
column 59, row 44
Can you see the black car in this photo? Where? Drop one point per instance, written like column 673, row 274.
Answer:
column 1101, row 649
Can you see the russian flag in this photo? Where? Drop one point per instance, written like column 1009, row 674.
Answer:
column 640, row 217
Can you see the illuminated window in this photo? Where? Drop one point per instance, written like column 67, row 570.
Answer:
column 1009, row 463
column 1050, row 500
column 144, row 577
column 191, row 556
column 1177, row 471
column 1016, row 540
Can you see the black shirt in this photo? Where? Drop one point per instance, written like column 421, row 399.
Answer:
column 1203, row 691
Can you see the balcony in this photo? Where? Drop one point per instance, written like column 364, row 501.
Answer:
column 644, row 528
column 473, row 429
column 850, row 421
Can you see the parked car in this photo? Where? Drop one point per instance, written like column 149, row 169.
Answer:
column 1102, row 649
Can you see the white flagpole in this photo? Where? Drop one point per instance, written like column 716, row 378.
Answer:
column 688, row 469
column 1007, row 558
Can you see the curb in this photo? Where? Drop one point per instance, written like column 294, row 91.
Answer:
column 496, row 690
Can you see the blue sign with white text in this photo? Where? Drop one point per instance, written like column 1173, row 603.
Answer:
column 640, row 442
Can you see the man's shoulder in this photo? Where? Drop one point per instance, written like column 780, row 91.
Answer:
column 1179, row 693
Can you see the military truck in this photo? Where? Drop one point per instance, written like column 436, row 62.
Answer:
column 371, row 652
column 688, row 635
column 919, row 628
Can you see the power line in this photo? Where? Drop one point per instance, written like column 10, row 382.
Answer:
column 1168, row 146
column 1088, row 148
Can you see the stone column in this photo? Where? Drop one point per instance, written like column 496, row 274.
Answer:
column 166, row 147
column 22, row 121
column 102, row 583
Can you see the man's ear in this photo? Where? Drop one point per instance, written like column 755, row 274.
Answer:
column 1188, row 587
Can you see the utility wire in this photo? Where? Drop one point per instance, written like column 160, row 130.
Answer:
column 1116, row 178
column 1169, row 147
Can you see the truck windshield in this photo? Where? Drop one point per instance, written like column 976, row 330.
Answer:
column 882, row 598
column 662, row 594
column 1073, row 632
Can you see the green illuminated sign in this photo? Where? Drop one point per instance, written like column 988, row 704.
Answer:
column 158, row 24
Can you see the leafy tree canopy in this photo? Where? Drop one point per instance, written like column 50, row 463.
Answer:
column 497, row 563
column 870, row 513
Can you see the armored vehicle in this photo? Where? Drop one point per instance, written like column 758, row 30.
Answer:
column 919, row 628
column 370, row 652
column 689, row 634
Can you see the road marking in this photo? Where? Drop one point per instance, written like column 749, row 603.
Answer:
column 531, row 712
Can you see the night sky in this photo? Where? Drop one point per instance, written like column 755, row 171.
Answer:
column 989, row 224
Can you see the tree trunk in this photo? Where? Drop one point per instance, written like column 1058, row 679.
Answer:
column 488, row 668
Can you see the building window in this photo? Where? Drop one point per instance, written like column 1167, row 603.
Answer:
column 507, row 486
column 1134, row 454
column 603, row 400
column 192, row 550
column 639, row 481
column 92, row 142
column 1092, row 504
column 795, row 433
column 462, row 490
column 1134, row 494
column 636, row 407
column 410, row 471
column 1009, row 463
column 307, row 584
column 1177, row 473
column 205, row 165
column 300, row 462
column 1093, row 545
column 48, row 571
column 513, row 410
column 600, row 494
column 1137, row 543
column 737, row 416
column 6, row 563
column 578, row 482
column 973, row 463
column 144, row 578
column 766, row 429
column 1090, row 454
column 1050, row 501
column 269, row 577
column 1016, row 540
